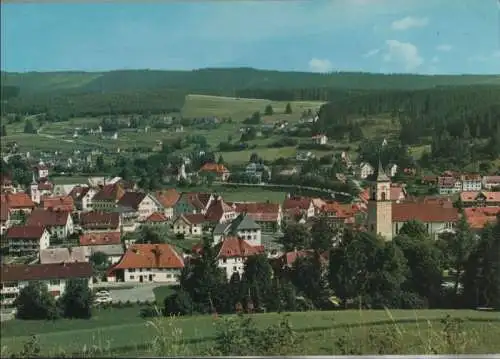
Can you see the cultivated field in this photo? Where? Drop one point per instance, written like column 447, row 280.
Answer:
column 122, row 331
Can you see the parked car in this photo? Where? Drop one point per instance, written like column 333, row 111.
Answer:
column 102, row 293
column 103, row 300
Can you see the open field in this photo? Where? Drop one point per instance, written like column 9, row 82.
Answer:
column 123, row 331
column 248, row 194
column 240, row 108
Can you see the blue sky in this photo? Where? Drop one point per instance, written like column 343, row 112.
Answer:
column 418, row 36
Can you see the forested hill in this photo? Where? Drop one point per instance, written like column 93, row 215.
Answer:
column 226, row 81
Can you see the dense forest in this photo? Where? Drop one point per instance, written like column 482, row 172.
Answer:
column 462, row 124
column 226, row 81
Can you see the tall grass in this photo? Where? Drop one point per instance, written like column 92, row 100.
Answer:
column 240, row 335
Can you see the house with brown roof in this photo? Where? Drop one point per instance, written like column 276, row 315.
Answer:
column 82, row 197
column 480, row 199
column 190, row 224
column 267, row 215
column 449, row 184
column 233, row 252
column 142, row 203
column 107, row 197
column 62, row 203
column 219, row 171
column 63, row 255
column 58, row 223
column 27, row 240
column 18, row 201
column 295, row 206
column 100, row 238
column 193, row 202
column 148, row 263
column 478, row 218
column 168, row 198
column 96, row 221
column 436, row 218
column 219, row 212
column 14, row 277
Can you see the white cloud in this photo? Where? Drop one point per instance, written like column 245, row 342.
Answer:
column 409, row 22
column 403, row 53
column 320, row 65
column 371, row 53
column 444, row 47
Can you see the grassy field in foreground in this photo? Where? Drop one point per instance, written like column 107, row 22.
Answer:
column 123, row 331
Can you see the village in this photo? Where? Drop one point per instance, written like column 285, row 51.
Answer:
column 52, row 232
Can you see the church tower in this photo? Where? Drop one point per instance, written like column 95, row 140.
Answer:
column 35, row 193
column 379, row 219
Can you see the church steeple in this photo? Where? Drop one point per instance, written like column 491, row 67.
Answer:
column 381, row 176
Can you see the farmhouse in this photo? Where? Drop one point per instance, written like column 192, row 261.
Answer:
column 55, row 276
column 219, row 212
column 148, row 263
column 27, row 240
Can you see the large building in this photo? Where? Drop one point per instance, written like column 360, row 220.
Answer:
column 386, row 217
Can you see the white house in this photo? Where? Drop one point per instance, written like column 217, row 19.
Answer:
column 243, row 227
column 365, row 170
column 144, row 263
column 82, row 197
column 15, row 277
column 142, row 203
column 319, row 139
column 471, row 182
column 27, row 240
column 232, row 254
column 59, row 223
column 490, row 182
column 449, row 185
column 189, row 224
column 392, row 169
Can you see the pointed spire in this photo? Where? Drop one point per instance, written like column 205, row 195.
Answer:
column 381, row 176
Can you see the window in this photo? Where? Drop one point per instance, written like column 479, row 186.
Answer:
column 132, row 277
column 235, row 269
column 55, row 282
column 383, row 196
column 131, row 270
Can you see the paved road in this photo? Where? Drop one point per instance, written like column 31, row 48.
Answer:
column 141, row 292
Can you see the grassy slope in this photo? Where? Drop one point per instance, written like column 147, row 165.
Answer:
column 124, row 330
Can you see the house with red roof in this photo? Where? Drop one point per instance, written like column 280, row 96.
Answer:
column 219, row 212
column 436, row 218
column 267, row 215
column 220, row 171
column 232, row 253
column 157, row 218
column 190, row 224
column 148, row 263
column 168, row 198
column 62, row 203
column 480, row 199
column 58, row 223
column 479, row 217
column 18, row 201
column 14, row 277
column 27, row 240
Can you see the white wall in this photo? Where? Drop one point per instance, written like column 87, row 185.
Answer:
column 231, row 265
column 163, row 275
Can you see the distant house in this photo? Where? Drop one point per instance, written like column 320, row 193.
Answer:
column 365, row 170
column 55, row 276
column 27, row 240
column 480, row 199
column 267, row 215
column 96, row 221
column 62, row 255
column 59, row 223
column 292, row 206
column 232, row 254
column 449, row 184
column 107, row 197
column 157, row 263
column 168, row 199
column 18, row 202
column 242, row 227
column 189, row 224
column 219, row 212
column 157, row 218
column 4, row 217
column 142, row 203
column 220, row 171
column 478, row 218
column 490, row 182
column 193, row 202
column 62, row 203
column 100, row 238
column 257, row 170
column 392, row 169
column 82, row 197
column 471, row 182
column 304, row 156
column 319, row 139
